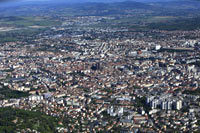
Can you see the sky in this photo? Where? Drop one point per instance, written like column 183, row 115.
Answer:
column 76, row 1
column 82, row 0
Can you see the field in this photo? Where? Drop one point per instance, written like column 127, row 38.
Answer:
column 14, row 28
column 24, row 22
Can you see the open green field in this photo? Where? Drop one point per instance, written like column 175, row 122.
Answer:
column 22, row 22
column 16, row 28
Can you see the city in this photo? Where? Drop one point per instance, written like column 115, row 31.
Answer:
column 105, row 79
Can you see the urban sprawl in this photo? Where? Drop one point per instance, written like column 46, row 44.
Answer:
column 106, row 78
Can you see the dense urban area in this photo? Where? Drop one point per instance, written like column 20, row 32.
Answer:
column 80, row 78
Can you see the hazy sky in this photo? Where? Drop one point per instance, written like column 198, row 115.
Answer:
column 88, row 0
column 82, row 0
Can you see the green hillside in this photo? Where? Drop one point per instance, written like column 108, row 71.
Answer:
column 16, row 120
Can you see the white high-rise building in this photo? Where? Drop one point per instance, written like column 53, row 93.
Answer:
column 178, row 105
column 149, row 99
column 169, row 105
column 164, row 105
column 154, row 104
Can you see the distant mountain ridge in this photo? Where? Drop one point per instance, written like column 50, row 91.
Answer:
column 92, row 7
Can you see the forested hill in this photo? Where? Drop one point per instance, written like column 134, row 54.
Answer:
column 16, row 120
